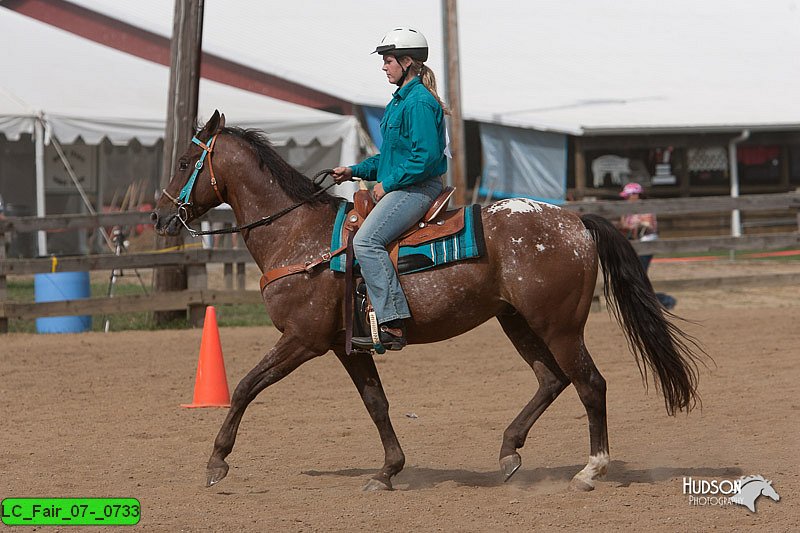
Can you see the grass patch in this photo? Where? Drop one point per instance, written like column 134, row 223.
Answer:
column 227, row 315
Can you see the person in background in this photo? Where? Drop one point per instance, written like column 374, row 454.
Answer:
column 408, row 171
column 642, row 227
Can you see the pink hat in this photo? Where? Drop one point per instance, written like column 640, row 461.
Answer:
column 631, row 188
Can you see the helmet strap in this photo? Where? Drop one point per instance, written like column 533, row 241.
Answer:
column 402, row 79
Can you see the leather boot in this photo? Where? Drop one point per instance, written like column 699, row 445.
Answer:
column 392, row 335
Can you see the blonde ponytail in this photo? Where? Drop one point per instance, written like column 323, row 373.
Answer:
column 428, row 79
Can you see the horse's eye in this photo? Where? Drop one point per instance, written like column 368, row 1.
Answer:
column 183, row 165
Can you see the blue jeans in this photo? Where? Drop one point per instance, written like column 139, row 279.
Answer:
column 392, row 215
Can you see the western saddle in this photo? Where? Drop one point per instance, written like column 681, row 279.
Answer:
column 437, row 223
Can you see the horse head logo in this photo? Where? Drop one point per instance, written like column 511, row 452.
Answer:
column 752, row 488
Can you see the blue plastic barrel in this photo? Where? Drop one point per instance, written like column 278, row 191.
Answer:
column 57, row 287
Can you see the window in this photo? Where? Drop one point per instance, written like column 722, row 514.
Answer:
column 708, row 165
column 759, row 164
column 794, row 163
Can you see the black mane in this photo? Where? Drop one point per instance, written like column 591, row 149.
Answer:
column 297, row 186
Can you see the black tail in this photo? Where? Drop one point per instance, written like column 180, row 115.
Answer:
column 671, row 354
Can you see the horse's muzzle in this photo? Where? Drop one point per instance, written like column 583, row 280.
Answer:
column 166, row 224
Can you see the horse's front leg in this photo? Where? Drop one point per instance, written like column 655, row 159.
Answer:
column 289, row 353
column 361, row 368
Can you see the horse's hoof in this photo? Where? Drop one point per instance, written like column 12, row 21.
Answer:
column 216, row 472
column 509, row 465
column 581, row 485
column 376, row 484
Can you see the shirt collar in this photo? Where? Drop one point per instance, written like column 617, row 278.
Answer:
column 403, row 91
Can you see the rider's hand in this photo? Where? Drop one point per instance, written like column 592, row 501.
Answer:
column 378, row 192
column 342, row 174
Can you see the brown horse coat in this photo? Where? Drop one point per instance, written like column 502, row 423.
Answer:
column 537, row 278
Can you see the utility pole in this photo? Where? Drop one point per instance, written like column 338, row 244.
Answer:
column 184, row 86
column 458, row 164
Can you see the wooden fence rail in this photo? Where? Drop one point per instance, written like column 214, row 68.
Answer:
column 84, row 263
column 681, row 206
column 198, row 295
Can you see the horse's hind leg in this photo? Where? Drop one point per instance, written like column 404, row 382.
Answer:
column 361, row 368
column 574, row 359
column 552, row 381
column 285, row 356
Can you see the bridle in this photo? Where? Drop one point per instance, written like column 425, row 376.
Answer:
column 183, row 204
column 182, row 201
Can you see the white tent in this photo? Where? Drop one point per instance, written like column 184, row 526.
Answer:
column 571, row 67
column 81, row 88
column 556, row 67
column 58, row 84
column 577, row 67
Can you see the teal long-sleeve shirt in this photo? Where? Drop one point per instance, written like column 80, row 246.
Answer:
column 413, row 140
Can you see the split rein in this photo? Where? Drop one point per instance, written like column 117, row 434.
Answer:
column 182, row 201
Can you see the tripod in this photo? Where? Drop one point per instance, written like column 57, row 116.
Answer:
column 119, row 238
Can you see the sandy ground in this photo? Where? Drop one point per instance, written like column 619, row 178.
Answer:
column 98, row 415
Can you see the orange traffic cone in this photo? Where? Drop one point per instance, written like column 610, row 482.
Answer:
column 211, row 384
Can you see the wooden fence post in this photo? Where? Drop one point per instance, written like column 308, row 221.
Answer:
column 240, row 276
column 4, row 241
column 227, row 274
column 240, row 272
column 196, row 279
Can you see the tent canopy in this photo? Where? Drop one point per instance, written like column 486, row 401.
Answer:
column 575, row 67
column 81, row 88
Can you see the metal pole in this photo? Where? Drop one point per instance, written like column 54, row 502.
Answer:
column 733, row 161
column 38, row 132
column 458, row 167
column 736, row 222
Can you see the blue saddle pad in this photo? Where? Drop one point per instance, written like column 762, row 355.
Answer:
column 466, row 244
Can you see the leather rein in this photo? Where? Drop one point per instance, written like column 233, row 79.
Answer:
column 183, row 204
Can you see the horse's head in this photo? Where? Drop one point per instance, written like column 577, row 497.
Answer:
column 193, row 189
column 768, row 491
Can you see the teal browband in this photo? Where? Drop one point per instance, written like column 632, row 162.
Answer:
column 187, row 189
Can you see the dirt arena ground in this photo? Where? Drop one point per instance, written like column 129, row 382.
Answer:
column 98, row 415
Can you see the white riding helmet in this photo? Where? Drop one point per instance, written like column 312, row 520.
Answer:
column 404, row 42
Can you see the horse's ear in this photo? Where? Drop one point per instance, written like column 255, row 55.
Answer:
column 221, row 122
column 212, row 125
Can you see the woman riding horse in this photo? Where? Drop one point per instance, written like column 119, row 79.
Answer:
column 408, row 171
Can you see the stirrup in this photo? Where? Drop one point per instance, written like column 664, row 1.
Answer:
column 386, row 341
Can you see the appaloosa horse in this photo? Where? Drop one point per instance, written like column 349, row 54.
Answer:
column 537, row 277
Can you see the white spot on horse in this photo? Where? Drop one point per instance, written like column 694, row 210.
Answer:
column 516, row 241
column 519, row 205
column 519, row 278
column 597, row 466
column 540, row 247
